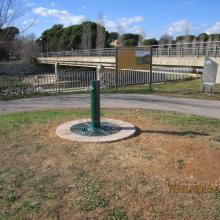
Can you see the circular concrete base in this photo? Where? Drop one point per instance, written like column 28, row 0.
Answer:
column 126, row 131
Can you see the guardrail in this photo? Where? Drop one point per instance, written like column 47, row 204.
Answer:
column 106, row 52
column 50, row 83
column 199, row 51
column 162, row 51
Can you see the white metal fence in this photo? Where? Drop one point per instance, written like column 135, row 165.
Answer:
column 105, row 52
column 198, row 49
column 50, row 83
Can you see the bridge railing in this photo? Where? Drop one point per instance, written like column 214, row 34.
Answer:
column 105, row 52
column 201, row 49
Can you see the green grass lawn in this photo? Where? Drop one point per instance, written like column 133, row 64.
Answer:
column 186, row 88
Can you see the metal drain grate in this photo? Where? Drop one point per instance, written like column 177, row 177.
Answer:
column 106, row 128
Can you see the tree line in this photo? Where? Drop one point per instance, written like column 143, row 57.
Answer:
column 14, row 46
column 91, row 35
column 88, row 35
column 133, row 39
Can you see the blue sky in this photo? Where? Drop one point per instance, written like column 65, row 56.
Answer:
column 152, row 17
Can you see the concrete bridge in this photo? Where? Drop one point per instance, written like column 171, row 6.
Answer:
column 105, row 59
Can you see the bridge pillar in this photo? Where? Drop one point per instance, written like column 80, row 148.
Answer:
column 56, row 70
column 99, row 69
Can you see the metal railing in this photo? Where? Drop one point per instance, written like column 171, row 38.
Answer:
column 136, row 77
column 169, row 50
column 105, row 52
column 199, row 51
column 51, row 83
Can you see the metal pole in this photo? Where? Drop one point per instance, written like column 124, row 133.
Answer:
column 197, row 52
column 116, row 70
column 150, row 80
column 41, row 45
column 95, row 104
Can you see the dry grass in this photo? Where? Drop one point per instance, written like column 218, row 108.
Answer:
column 45, row 177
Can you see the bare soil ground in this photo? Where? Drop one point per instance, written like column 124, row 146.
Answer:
column 168, row 170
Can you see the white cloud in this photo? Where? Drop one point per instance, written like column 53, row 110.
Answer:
column 111, row 24
column 83, row 7
column 33, row 20
column 205, row 25
column 10, row 11
column 30, row 21
column 214, row 29
column 138, row 18
column 53, row 4
column 181, row 26
column 150, row 36
column 189, row 3
column 106, row 15
column 124, row 23
column 30, row 4
column 135, row 29
column 64, row 17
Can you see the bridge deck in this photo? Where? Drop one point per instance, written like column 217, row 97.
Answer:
column 191, row 57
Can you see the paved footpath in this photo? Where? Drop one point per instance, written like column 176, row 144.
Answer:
column 128, row 101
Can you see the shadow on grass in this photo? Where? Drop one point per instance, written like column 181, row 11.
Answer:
column 178, row 133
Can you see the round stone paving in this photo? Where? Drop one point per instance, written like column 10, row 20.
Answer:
column 66, row 131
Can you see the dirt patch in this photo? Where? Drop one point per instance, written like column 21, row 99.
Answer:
column 129, row 179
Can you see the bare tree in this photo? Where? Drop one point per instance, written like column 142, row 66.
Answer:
column 120, row 31
column 25, row 47
column 208, row 45
column 10, row 11
column 86, row 39
column 17, row 47
column 194, row 44
column 30, row 48
column 141, row 37
column 186, row 45
column 179, row 45
column 100, row 39
column 165, row 39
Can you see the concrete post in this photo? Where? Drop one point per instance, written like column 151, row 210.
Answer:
column 197, row 52
column 216, row 48
column 100, row 68
column 56, row 70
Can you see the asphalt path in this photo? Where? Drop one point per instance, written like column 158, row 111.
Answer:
column 205, row 108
